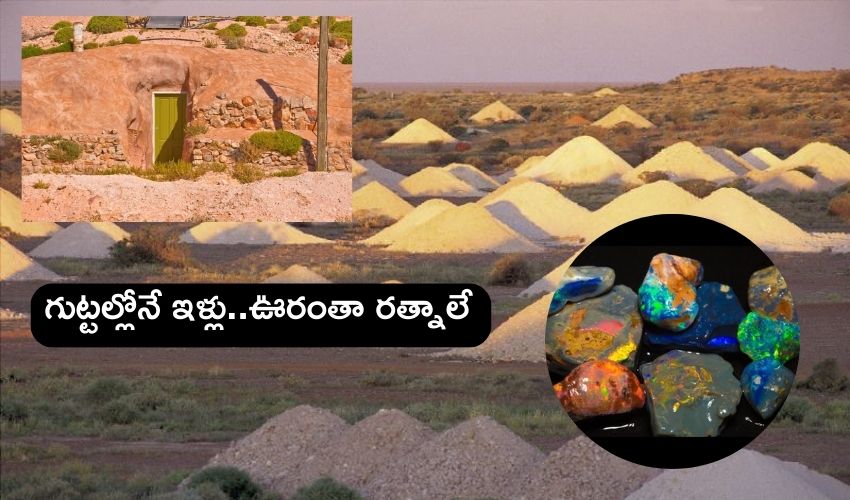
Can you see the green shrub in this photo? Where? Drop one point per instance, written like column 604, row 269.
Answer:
column 150, row 246
column 117, row 412
column 193, row 129
column 106, row 24
column 252, row 20
column 247, row 173
column 65, row 151
column 326, row 488
column 131, row 40
column 236, row 484
column 826, row 377
column 271, row 20
column 12, row 410
column 112, row 43
column 287, row 18
column 30, row 51
column 105, row 389
column 62, row 24
column 233, row 42
column 795, row 409
column 90, row 45
column 63, row 35
column 291, row 172
column 62, row 47
column 342, row 29
column 304, row 20
column 210, row 26
column 346, row 59
column 510, row 270
column 234, row 30
column 285, row 143
column 294, row 27
column 210, row 43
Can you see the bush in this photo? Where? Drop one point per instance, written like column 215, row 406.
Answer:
column 236, row 484
column 794, row 409
column 346, row 59
column 497, row 144
column 105, row 389
column 248, row 152
column 65, row 151
column 326, row 488
column 271, row 20
column 131, row 40
column 342, row 29
column 210, row 26
column 90, row 45
column 365, row 114
column 247, row 173
column 150, row 246
column 62, row 24
column 457, row 131
column 840, row 205
column 252, row 20
column 826, row 377
column 842, row 80
column 13, row 411
column 117, row 412
column 287, row 18
column 698, row 187
column 62, row 47
column 234, row 30
column 106, row 24
column 193, row 129
column 63, row 35
column 304, row 20
column 651, row 176
column 435, row 146
column 30, row 51
column 285, row 143
column 210, row 43
column 233, row 42
column 510, row 270
column 294, row 27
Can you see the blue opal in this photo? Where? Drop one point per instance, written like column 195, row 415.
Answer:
column 715, row 327
column 766, row 384
column 579, row 283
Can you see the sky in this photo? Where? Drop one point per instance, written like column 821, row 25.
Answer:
column 527, row 41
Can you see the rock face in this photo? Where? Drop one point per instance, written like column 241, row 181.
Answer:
column 769, row 295
column 600, row 388
column 762, row 337
column 766, row 384
column 714, row 327
column 689, row 394
column 604, row 327
column 668, row 292
column 579, row 283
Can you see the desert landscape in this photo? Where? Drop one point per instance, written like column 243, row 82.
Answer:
column 449, row 186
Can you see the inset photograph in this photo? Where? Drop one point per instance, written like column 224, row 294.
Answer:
column 185, row 118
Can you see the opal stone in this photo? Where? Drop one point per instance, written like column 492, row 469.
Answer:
column 668, row 294
column 604, row 327
column 579, row 283
column 762, row 337
column 769, row 295
column 766, row 384
column 690, row 394
column 600, row 387
column 715, row 326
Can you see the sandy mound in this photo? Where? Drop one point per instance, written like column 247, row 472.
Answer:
column 504, row 188
column 376, row 172
column 623, row 114
column 297, row 273
column 729, row 160
column 519, row 338
column 434, row 181
column 472, row 176
column 465, row 229
column 357, row 169
column 419, row 215
column 248, row 233
column 419, row 131
column 279, row 454
column 83, row 240
column 376, row 200
column 583, row 160
column 582, row 469
column 576, row 121
column 537, row 211
column 682, row 161
column 496, row 112
column 16, row 266
column 10, row 122
column 605, row 92
column 793, row 182
column 525, row 165
column 478, row 458
column 10, row 216
column 745, row 474
column 761, row 158
column 831, row 162
column 549, row 283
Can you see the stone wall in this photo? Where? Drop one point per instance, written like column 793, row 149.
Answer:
column 283, row 112
column 207, row 150
column 99, row 151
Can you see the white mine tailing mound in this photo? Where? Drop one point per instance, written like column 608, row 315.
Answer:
column 83, row 240
column 248, row 233
column 623, row 114
column 434, row 181
column 745, row 474
column 375, row 200
column 549, row 282
column 682, row 161
column 761, row 158
column 504, row 188
column 465, row 229
column 525, row 165
column 537, row 212
column 16, row 266
column 376, row 172
column 831, row 162
column 791, row 181
column 357, row 169
column 419, row 215
column 10, row 122
column 605, row 92
column 297, row 273
column 729, row 160
column 419, row 131
column 10, row 216
column 582, row 160
column 472, row 176
column 496, row 112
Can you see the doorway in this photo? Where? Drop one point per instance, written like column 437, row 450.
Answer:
column 169, row 120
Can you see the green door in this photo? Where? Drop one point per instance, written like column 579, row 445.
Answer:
column 169, row 111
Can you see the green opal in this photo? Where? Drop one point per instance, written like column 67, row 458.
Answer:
column 761, row 337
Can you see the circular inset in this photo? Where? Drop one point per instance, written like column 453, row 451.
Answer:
column 672, row 341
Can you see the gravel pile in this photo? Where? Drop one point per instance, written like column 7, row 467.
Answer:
column 623, row 114
column 682, row 161
column 419, row 131
column 376, row 200
column 472, row 176
column 248, row 233
column 435, row 181
column 582, row 160
column 16, row 266
column 82, row 240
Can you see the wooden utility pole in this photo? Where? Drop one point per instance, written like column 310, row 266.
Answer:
column 322, row 128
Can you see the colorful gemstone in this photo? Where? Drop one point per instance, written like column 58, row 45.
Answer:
column 668, row 295
column 579, row 283
column 766, row 384
column 769, row 295
column 600, row 388
column 761, row 337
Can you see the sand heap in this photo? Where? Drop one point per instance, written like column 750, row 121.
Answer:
column 605, row 92
column 682, row 161
column 761, row 158
column 472, row 176
column 478, row 458
column 419, row 215
column 297, row 273
column 496, row 112
column 10, row 122
column 434, row 181
column 16, row 266
column 248, row 233
column 829, row 161
column 537, row 211
column 576, row 121
column 729, row 160
column 419, row 131
column 10, row 217
column 623, row 114
column 525, row 165
column 746, row 474
column 375, row 200
column 465, row 229
column 82, row 240
column 519, row 338
column 582, row 160
column 792, row 181
column 375, row 172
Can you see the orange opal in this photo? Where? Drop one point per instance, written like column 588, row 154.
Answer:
column 600, row 387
